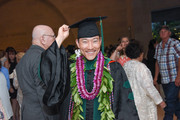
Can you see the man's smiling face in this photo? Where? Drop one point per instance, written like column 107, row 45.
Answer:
column 89, row 47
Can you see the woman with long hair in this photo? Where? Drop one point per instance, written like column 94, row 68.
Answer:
column 119, row 54
column 10, row 64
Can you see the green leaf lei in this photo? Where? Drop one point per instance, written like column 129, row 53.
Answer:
column 104, row 93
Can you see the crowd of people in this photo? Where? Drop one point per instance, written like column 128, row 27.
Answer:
column 11, row 95
column 49, row 82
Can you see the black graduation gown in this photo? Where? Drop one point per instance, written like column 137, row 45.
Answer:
column 123, row 107
column 55, row 73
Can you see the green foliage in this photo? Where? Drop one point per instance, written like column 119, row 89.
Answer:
column 73, row 57
column 104, row 102
column 105, row 91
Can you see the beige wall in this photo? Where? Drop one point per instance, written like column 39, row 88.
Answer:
column 19, row 17
column 125, row 18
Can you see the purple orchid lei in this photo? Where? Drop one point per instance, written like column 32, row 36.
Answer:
column 97, row 78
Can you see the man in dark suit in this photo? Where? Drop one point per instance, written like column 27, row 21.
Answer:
column 30, row 82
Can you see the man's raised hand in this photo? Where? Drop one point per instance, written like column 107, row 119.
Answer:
column 63, row 33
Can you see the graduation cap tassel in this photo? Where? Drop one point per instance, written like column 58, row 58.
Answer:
column 102, row 37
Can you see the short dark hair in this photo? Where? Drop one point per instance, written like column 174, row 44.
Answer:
column 164, row 27
column 133, row 50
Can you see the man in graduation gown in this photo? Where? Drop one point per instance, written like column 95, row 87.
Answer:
column 33, row 88
column 103, row 103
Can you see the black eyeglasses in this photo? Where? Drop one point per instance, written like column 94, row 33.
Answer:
column 50, row 35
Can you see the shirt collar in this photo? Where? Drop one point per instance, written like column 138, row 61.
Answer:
column 37, row 47
column 166, row 42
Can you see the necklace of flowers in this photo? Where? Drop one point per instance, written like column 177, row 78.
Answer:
column 104, row 91
column 97, row 78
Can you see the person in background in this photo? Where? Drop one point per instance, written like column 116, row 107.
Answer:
column 119, row 54
column 150, row 56
column 146, row 96
column 2, row 56
column 151, row 61
column 167, row 57
column 19, row 55
column 3, row 115
column 70, row 50
column 10, row 64
column 5, row 56
column 4, row 96
column 4, row 70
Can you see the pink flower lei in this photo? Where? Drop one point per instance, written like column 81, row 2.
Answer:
column 97, row 78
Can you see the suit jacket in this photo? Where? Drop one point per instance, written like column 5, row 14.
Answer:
column 33, row 88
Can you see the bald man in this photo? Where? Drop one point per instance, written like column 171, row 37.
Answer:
column 33, row 87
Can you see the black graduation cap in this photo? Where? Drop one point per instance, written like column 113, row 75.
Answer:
column 87, row 27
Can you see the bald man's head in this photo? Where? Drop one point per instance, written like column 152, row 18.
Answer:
column 42, row 36
column 40, row 30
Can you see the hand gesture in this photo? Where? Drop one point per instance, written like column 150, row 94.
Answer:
column 162, row 104
column 63, row 33
column 119, row 47
column 155, row 82
column 177, row 81
column 11, row 90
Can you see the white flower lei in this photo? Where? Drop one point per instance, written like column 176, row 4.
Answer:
column 78, row 53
